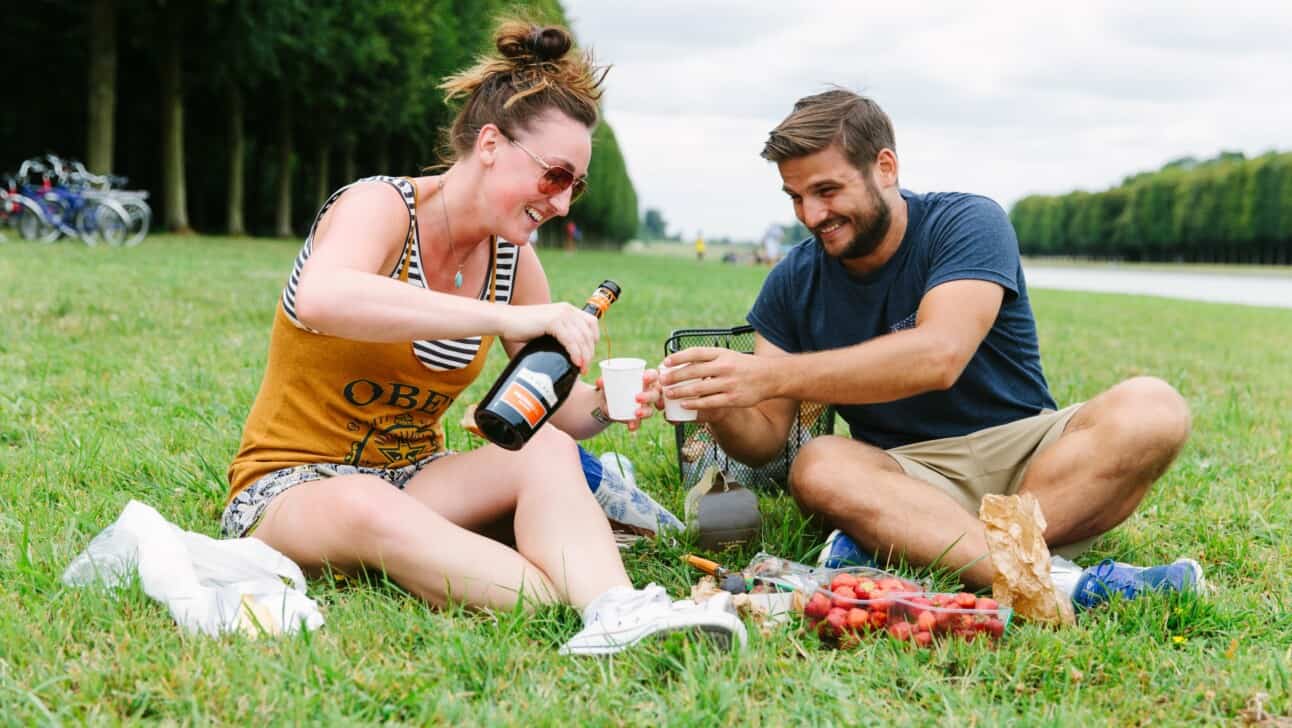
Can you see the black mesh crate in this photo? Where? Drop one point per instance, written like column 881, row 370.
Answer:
column 696, row 450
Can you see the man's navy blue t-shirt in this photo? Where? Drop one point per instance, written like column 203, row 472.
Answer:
column 810, row 302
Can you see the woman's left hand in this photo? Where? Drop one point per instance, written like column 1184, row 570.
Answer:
column 650, row 399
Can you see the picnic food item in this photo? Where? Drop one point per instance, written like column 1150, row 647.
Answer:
column 922, row 618
column 865, row 601
column 1016, row 539
column 696, row 445
column 535, row 384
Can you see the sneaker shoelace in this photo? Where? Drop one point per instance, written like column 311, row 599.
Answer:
column 617, row 606
column 1106, row 577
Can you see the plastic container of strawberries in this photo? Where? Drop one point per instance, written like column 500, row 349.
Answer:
column 926, row 618
column 900, row 609
column 860, row 582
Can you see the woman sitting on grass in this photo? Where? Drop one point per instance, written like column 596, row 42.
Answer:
column 398, row 293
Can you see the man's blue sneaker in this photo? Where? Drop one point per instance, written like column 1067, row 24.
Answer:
column 840, row 550
column 1099, row 582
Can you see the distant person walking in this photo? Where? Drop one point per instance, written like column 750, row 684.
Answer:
column 699, row 246
column 772, row 244
column 572, row 236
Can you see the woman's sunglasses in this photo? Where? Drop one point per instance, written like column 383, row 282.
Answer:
column 556, row 179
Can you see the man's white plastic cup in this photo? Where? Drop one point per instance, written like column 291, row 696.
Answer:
column 674, row 412
column 622, row 379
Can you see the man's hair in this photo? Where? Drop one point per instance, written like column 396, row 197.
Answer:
column 837, row 116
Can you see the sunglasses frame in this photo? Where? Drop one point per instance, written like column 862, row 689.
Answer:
column 577, row 184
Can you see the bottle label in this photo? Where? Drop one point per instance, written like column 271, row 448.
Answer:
column 524, row 402
column 601, row 301
column 540, row 383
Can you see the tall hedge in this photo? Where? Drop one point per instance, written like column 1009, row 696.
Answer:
column 266, row 105
column 1227, row 209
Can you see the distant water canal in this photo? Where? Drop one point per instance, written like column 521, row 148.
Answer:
column 1252, row 290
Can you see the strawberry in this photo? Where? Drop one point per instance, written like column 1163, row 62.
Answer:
column 817, row 607
column 858, row 619
column 866, row 587
column 965, row 600
column 878, row 618
column 986, row 603
column 926, row 621
column 841, row 580
column 900, row 631
column 837, row 620
column 923, row 639
column 844, row 592
column 995, row 628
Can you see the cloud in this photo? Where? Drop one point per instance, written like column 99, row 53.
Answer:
column 1004, row 99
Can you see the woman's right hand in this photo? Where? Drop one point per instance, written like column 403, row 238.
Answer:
column 576, row 329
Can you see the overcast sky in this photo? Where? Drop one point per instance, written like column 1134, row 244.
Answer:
column 1004, row 99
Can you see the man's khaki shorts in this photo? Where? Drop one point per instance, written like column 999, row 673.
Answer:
column 993, row 460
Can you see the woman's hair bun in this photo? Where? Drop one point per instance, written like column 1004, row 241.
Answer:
column 521, row 42
column 535, row 71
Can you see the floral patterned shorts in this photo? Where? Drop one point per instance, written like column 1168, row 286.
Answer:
column 248, row 507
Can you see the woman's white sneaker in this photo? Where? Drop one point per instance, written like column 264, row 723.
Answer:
column 623, row 616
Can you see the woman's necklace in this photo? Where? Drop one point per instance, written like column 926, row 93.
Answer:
column 444, row 205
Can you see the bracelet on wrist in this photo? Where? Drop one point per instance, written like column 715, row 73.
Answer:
column 600, row 416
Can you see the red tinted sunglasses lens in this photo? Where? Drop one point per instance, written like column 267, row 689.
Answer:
column 557, row 180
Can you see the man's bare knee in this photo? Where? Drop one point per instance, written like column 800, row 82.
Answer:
column 829, row 463
column 1144, row 415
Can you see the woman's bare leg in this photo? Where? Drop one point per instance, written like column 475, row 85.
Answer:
column 423, row 537
column 360, row 521
column 558, row 525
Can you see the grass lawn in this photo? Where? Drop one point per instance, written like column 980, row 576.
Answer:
column 128, row 373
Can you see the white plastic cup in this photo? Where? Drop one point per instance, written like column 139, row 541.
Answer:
column 674, row 412
column 622, row 379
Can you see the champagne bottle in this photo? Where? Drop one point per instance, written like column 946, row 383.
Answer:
column 535, row 384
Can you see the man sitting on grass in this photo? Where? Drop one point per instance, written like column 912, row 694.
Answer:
column 910, row 313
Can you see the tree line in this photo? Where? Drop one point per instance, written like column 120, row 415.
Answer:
column 241, row 116
column 1229, row 209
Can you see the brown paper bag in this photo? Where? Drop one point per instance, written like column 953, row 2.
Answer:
column 1016, row 540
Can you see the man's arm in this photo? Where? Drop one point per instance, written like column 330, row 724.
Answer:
column 951, row 323
column 754, row 435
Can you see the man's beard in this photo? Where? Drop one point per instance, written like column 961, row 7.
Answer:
column 870, row 232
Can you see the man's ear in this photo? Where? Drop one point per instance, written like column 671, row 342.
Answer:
column 885, row 167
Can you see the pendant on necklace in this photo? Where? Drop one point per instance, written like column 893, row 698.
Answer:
column 457, row 280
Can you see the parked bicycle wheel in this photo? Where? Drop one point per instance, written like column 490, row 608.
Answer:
column 140, row 216
column 29, row 220
column 102, row 221
column 55, row 214
column 111, row 223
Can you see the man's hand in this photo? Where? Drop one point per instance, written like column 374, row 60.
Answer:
column 716, row 379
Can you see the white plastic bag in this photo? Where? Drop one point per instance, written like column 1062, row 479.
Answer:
column 210, row 586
